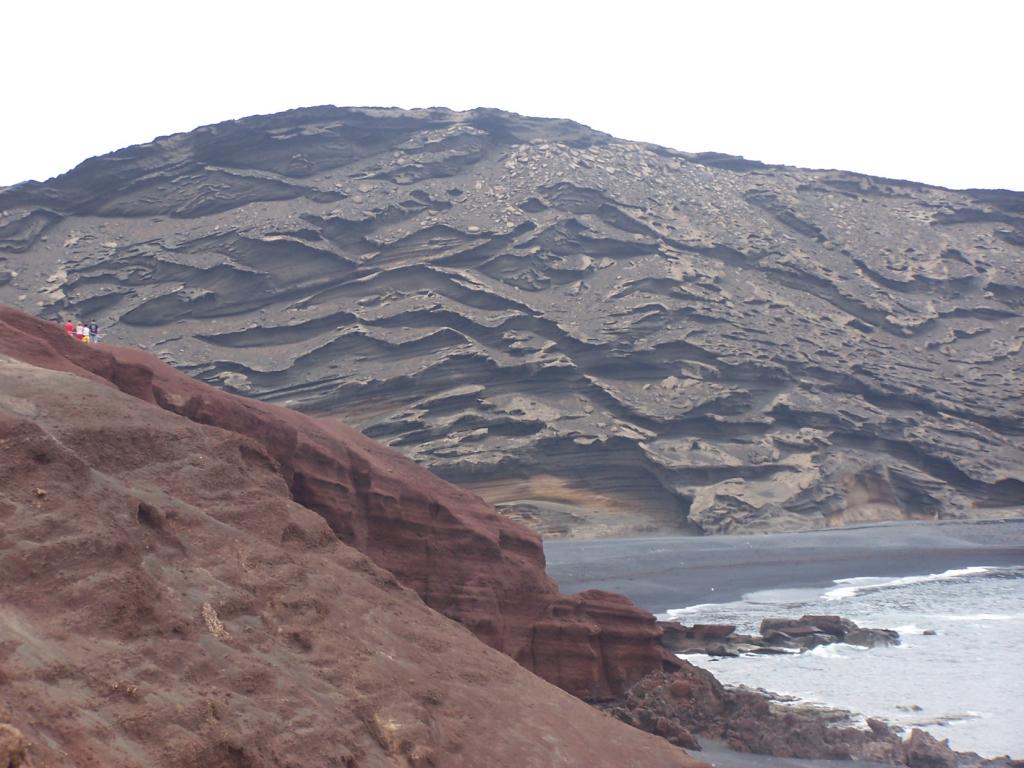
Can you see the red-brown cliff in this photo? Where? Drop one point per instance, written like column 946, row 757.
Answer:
column 447, row 544
column 164, row 601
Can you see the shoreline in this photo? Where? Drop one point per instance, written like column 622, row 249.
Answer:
column 719, row 755
column 670, row 572
column 665, row 573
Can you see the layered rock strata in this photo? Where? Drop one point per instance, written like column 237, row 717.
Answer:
column 463, row 559
column 165, row 601
column 602, row 336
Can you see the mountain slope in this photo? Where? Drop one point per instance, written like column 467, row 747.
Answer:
column 603, row 335
column 464, row 560
column 165, row 602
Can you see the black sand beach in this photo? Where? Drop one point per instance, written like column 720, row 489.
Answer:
column 660, row 573
column 720, row 756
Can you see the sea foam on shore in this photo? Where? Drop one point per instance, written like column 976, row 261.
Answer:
column 858, row 585
column 956, row 672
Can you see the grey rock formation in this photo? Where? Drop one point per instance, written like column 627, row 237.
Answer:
column 775, row 636
column 602, row 336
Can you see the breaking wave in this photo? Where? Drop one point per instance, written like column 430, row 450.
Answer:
column 861, row 585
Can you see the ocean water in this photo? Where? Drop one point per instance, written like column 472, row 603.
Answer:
column 964, row 683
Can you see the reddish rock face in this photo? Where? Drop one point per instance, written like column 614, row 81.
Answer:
column 463, row 559
column 165, row 602
column 595, row 642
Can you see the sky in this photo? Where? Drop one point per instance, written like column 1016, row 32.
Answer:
column 928, row 91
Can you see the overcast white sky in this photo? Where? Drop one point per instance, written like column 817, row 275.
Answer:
column 929, row 91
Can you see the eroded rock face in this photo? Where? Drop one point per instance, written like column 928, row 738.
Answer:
column 463, row 559
column 601, row 335
column 165, row 602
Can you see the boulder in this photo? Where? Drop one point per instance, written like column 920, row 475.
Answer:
column 922, row 750
column 712, row 631
column 836, row 626
column 712, row 639
column 811, row 631
column 879, row 727
column 791, row 627
column 872, row 638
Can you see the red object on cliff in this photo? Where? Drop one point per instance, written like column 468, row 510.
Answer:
column 463, row 559
column 70, row 328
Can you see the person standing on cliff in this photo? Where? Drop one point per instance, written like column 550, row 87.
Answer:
column 94, row 331
column 69, row 326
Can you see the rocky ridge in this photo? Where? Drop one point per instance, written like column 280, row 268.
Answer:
column 602, row 336
column 690, row 701
column 166, row 601
column 464, row 560
column 170, row 598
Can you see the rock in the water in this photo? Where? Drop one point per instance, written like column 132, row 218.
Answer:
column 777, row 635
column 922, row 750
column 878, row 727
column 872, row 638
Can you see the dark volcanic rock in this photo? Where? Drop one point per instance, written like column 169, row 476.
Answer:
column 925, row 751
column 602, row 335
column 690, row 701
column 463, row 559
column 776, row 636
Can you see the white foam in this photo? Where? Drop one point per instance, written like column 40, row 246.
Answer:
column 979, row 616
column 856, row 586
column 826, row 652
column 837, row 650
column 910, row 629
column 672, row 613
column 682, row 615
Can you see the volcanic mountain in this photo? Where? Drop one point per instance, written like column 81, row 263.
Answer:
column 600, row 335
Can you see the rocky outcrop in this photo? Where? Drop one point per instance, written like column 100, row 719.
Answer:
column 922, row 750
column 601, row 336
column 462, row 558
column 690, row 704
column 776, row 636
column 164, row 601
column 809, row 631
column 691, row 700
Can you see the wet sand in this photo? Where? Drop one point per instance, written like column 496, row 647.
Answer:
column 676, row 571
